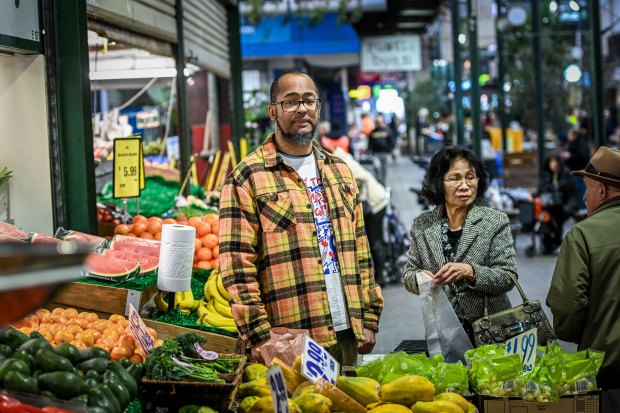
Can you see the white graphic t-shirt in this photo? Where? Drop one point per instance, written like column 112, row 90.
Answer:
column 307, row 170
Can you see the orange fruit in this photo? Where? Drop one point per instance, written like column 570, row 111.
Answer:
column 63, row 336
column 154, row 227
column 205, row 265
column 152, row 332
column 79, row 344
column 210, row 241
column 139, row 218
column 204, row 254
column 139, row 228
column 41, row 312
column 197, row 244
column 216, row 251
column 215, row 230
column 96, row 334
column 193, row 221
column 215, row 263
column 158, row 236
column 122, row 229
column 212, row 219
column 131, row 234
column 155, row 219
column 136, row 359
column 85, row 338
column 90, row 317
column 79, row 322
column 58, row 311
column 147, row 235
column 70, row 313
column 202, row 229
column 169, row 221
column 115, row 318
column 74, row 329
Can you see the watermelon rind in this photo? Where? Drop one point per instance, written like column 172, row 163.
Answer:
column 148, row 264
column 12, row 231
column 37, row 238
column 8, row 238
column 111, row 269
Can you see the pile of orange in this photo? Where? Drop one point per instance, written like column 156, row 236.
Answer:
column 206, row 245
column 85, row 330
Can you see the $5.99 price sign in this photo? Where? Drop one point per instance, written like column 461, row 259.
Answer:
column 317, row 363
column 127, row 167
column 279, row 394
column 525, row 345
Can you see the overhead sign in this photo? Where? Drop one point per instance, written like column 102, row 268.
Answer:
column 19, row 25
column 399, row 53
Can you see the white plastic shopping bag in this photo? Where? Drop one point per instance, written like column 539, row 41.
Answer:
column 443, row 331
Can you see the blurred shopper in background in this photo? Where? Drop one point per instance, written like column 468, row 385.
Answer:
column 374, row 201
column 576, row 158
column 381, row 144
column 465, row 247
column 561, row 199
column 367, row 124
column 583, row 296
column 293, row 247
column 331, row 140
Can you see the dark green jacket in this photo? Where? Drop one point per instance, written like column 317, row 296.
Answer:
column 584, row 296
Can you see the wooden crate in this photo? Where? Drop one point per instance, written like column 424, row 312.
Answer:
column 215, row 342
column 100, row 299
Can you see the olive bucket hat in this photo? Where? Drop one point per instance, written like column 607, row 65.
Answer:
column 604, row 167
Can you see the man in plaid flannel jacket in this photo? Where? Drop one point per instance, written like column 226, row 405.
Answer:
column 293, row 247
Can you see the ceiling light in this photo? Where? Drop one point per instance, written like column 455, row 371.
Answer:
column 573, row 5
column 417, row 12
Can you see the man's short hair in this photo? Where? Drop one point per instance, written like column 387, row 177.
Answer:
column 275, row 86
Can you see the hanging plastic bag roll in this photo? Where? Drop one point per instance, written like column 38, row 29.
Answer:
column 176, row 257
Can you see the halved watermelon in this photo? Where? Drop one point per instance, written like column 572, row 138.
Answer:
column 147, row 263
column 136, row 246
column 43, row 239
column 8, row 238
column 79, row 237
column 111, row 269
column 13, row 231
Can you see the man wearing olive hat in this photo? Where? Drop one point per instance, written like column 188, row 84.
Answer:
column 584, row 296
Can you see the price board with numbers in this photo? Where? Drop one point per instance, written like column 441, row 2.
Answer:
column 139, row 331
column 277, row 386
column 317, row 363
column 525, row 345
column 127, row 167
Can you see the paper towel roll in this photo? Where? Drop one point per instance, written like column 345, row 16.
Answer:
column 176, row 257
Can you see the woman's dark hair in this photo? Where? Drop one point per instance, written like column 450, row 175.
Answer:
column 559, row 160
column 432, row 188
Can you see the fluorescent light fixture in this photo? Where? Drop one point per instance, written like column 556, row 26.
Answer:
column 133, row 74
column 462, row 38
column 410, row 25
column 573, row 5
column 417, row 12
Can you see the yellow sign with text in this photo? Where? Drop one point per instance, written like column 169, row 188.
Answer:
column 127, row 169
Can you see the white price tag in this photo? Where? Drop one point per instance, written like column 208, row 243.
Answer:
column 139, row 331
column 525, row 345
column 279, row 394
column 317, row 363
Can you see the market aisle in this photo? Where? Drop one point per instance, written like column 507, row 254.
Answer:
column 402, row 319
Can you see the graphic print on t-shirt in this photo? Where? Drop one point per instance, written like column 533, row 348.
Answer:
column 324, row 229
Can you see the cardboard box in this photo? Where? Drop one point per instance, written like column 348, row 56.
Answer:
column 581, row 403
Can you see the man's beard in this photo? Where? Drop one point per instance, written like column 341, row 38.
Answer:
column 303, row 138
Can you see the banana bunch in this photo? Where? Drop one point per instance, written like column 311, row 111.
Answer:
column 183, row 300
column 214, row 310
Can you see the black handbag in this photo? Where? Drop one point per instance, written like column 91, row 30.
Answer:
column 503, row 325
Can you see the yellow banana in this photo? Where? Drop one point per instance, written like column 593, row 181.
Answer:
column 202, row 308
column 218, row 321
column 161, row 304
column 184, row 300
column 220, row 287
column 223, row 310
column 210, row 288
column 195, row 305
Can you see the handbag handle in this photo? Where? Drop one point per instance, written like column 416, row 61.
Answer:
column 516, row 283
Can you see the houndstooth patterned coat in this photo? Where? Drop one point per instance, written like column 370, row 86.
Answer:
column 486, row 244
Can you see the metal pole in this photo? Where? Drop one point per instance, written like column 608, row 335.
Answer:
column 458, row 74
column 234, row 39
column 596, row 73
column 503, row 118
column 538, row 79
column 472, row 8
column 185, row 147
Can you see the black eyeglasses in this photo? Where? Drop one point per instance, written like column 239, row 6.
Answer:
column 292, row 105
column 455, row 182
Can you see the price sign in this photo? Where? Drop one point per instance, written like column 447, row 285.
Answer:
column 279, row 394
column 525, row 345
column 142, row 180
column 139, row 331
column 317, row 363
column 127, row 167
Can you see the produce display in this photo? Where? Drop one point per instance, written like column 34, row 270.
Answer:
column 78, row 331
column 30, row 364
column 214, row 310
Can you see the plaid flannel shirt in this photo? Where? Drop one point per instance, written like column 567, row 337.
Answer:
column 269, row 255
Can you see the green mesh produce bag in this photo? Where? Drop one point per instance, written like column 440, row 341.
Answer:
column 157, row 197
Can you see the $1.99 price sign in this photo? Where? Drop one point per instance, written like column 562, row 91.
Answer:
column 279, row 394
column 525, row 345
column 127, row 169
column 317, row 363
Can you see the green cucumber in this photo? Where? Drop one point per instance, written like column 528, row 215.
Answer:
column 11, row 337
column 35, row 344
column 126, row 378
column 114, row 383
column 36, row 334
column 63, row 384
column 98, row 398
column 70, row 352
column 93, row 352
column 136, row 371
column 81, row 400
column 27, row 357
column 6, row 350
column 49, row 361
column 20, row 382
